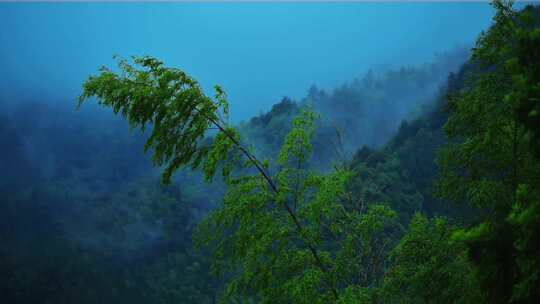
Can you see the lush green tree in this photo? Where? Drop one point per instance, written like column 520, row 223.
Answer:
column 380, row 176
column 287, row 236
column 429, row 267
column 270, row 238
column 490, row 162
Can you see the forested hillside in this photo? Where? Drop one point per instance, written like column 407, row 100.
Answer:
column 418, row 184
column 366, row 111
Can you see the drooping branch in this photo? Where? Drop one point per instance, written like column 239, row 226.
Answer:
column 180, row 114
column 274, row 188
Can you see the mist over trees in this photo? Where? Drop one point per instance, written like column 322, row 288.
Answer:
column 365, row 112
column 81, row 176
column 417, row 184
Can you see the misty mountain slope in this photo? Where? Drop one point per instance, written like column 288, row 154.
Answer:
column 84, row 219
column 85, row 174
column 402, row 172
column 14, row 164
column 81, row 206
column 366, row 111
column 82, row 177
column 369, row 110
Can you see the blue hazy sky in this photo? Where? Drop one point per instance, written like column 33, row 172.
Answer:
column 259, row 52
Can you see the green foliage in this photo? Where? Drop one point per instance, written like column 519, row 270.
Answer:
column 286, row 237
column 297, row 244
column 490, row 161
column 525, row 219
column 428, row 266
column 172, row 102
column 380, row 177
column 480, row 168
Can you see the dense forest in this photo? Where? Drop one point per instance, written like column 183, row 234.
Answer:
column 418, row 184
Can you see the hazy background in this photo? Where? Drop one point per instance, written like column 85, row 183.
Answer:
column 259, row 52
column 83, row 217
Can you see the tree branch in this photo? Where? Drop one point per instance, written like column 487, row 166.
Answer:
column 274, row 188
